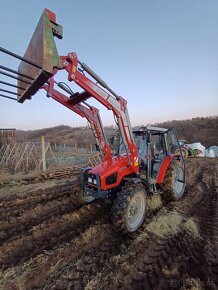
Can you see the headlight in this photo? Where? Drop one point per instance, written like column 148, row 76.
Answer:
column 92, row 180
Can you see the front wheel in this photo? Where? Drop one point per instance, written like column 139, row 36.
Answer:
column 87, row 198
column 129, row 208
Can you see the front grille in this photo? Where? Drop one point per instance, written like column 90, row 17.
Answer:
column 111, row 179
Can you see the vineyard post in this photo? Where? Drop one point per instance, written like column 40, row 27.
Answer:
column 43, row 153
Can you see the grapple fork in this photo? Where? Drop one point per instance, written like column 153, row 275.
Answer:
column 43, row 53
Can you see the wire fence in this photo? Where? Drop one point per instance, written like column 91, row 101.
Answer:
column 28, row 156
column 62, row 148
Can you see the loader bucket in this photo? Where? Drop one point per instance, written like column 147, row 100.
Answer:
column 42, row 56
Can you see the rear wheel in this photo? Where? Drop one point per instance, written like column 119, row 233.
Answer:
column 173, row 189
column 129, row 208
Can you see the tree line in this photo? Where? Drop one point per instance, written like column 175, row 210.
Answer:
column 202, row 129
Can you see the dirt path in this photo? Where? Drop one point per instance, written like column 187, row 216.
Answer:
column 49, row 239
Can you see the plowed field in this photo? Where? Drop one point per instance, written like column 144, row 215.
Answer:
column 50, row 239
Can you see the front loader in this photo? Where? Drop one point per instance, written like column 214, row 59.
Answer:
column 147, row 160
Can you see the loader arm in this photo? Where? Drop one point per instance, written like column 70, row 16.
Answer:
column 89, row 112
column 112, row 101
column 43, row 52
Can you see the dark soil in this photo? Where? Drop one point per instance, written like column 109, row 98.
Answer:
column 50, row 239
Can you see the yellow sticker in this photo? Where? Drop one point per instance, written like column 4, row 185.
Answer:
column 136, row 163
column 74, row 68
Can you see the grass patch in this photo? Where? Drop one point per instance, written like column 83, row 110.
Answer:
column 154, row 202
column 166, row 224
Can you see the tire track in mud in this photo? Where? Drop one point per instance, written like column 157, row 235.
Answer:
column 15, row 204
column 166, row 262
column 147, row 263
column 208, row 224
column 163, row 262
column 60, row 200
column 77, row 273
column 14, row 226
column 49, row 234
column 214, row 243
column 169, row 262
column 194, row 169
column 36, row 272
column 59, row 259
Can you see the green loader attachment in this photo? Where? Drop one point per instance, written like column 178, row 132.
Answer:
column 42, row 55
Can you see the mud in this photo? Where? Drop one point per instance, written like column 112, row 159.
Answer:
column 50, row 239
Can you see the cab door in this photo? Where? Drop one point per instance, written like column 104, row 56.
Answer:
column 172, row 148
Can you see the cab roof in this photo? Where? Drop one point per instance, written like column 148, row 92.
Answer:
column 151, row 129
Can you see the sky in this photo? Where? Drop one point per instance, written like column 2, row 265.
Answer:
column 159, row 55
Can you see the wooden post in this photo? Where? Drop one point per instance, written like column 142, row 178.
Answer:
column 43, row 154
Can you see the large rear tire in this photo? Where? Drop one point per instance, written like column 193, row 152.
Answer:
column 129, row 208
column 172, row 188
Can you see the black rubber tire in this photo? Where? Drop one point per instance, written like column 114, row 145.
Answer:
column 88, row 199
column 123, row 204
column 170, row 192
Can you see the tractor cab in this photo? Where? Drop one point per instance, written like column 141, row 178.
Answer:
column 157, row 149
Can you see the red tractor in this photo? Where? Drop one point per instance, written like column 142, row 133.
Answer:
column 160, row 171
column 146, row 161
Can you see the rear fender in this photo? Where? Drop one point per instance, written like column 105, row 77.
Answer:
column 163, row 168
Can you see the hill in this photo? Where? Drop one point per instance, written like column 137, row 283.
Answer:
column 62, row 135
column 202, row 130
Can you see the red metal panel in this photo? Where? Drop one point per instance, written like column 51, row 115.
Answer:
column 116, row 164
column 163, row 169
